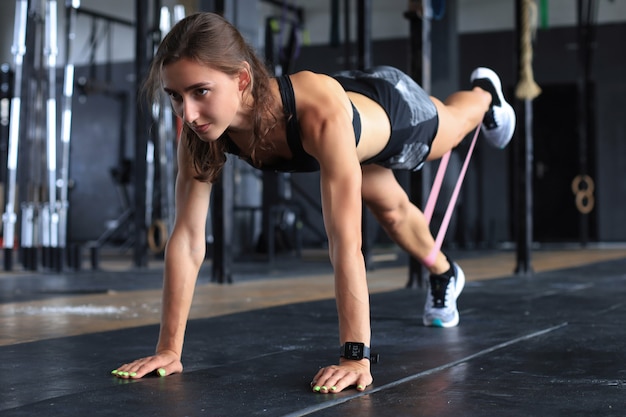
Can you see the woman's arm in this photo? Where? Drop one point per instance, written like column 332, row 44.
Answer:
column 326, row 122
column 184, row 255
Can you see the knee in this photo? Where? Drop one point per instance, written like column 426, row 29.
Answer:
column 392, row 218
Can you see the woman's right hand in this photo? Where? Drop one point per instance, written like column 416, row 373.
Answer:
column 163, row 363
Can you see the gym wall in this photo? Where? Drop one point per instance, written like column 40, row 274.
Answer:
column 484, row 212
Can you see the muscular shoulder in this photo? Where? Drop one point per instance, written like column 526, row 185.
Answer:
column 317, row 90
column 319, row 97
column 324, row 113
column 313, row 78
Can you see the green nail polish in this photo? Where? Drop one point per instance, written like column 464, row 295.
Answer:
column 360, row 387
column 133, row 374
column 161, row 372
column 333, row 388
column 317, row 388
column 124, row 373
column 114, row 372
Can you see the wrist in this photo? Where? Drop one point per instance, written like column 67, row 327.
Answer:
column 168, row 351
column 363, row 363
column 357, row 351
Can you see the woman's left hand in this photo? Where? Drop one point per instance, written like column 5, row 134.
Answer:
column 335, row 378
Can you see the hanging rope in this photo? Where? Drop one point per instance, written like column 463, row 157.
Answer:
column 527, row 88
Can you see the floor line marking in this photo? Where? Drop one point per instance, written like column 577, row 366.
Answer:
column 329, row 404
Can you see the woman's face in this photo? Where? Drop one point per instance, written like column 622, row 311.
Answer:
column 206, row 99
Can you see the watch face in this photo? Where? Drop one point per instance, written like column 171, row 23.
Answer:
column 354, row 350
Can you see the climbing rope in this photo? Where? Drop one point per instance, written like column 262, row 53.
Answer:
column 527, row 88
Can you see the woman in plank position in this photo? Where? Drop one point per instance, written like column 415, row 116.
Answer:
column 353, row 127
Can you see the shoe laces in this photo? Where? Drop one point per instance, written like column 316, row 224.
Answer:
column 439, row 290
column 489, row 120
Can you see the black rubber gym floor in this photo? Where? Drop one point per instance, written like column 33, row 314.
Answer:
column 550, row 345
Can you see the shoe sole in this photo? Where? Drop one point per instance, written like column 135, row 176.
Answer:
column 444, row 325
column 509, row 109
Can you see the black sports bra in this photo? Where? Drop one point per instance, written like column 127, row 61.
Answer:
column 300, row 161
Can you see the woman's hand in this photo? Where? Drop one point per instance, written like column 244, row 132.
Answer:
column 336, row 378
column 163, row 363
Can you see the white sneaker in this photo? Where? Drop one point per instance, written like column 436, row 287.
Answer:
column 440, row 309
column 499, row 121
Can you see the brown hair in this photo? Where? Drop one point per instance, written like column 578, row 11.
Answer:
column 211, row 40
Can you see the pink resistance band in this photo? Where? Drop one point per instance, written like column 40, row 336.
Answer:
column 434, row 194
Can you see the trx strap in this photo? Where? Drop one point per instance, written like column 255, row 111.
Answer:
column 434, row 194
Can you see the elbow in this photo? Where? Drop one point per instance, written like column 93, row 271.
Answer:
column 345, row 249
column 184, row 250
column 198, row 255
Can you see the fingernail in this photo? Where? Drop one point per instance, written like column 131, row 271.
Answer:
column 161, row 372
column 333, row 388
column 360, row 387
column 133, row 374
column 114, row 372
column 317, row 388
column 124, row 373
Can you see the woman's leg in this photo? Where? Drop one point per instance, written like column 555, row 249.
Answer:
column 403, row 222
column 459, row 114
column 407, row 226
column 463, row 111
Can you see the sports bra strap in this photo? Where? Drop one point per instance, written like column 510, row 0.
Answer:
column 289, row 105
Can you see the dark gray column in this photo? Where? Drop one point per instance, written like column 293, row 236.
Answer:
column 144, row 46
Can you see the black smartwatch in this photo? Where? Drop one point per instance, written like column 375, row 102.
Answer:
column 356, row 351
